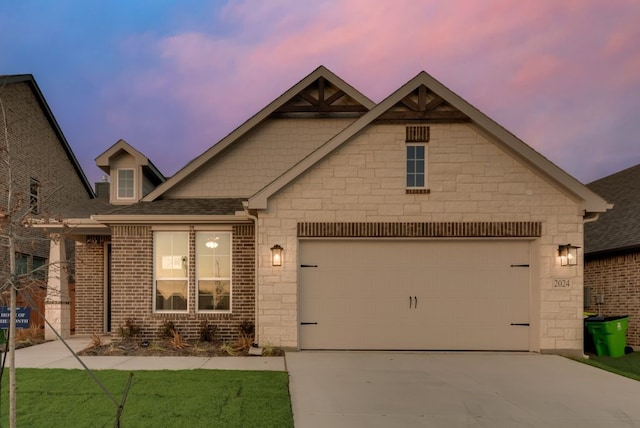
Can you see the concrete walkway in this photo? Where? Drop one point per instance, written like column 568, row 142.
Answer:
column 54, row 354
column 431, row 389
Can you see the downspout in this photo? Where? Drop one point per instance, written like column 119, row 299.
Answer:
column 245, row 205
column 591, row 217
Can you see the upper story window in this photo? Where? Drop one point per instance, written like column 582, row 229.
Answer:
column 416, row 157
column 416, row 140
column 126, row 184
column 34, row 196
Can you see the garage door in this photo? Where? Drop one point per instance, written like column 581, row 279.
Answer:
column 414, row 295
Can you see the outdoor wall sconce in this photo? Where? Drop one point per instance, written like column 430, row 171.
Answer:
column 568, row 255
column 276, row 255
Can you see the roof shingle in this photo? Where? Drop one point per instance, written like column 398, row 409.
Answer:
column 619, row 228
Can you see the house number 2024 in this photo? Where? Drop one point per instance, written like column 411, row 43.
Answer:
column 561, row 283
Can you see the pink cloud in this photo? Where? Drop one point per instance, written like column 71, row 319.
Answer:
column 546, row 58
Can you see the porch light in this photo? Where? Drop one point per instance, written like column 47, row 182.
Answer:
column 276, row 255
column 568, row 255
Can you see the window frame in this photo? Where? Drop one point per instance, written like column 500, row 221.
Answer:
column 32, row 267
column 416, row 174
column 120, row 190
column 199, row 261
column 171, row 258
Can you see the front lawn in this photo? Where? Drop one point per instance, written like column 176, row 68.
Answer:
column 627, row 365
column 187, row 398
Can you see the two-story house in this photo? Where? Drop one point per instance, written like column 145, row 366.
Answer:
column 40, row 178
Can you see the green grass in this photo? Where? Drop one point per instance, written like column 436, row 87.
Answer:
column 189, row 398
column 627, row 365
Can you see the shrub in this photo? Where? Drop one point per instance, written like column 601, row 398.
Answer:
column 168, row 328
column 130, row 330
column 247, row 328
column 207, row 332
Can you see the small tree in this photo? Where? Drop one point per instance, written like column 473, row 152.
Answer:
column 17, row 208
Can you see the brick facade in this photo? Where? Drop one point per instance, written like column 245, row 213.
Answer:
column 36, row 152
column 132, row 286
column 617, row 280
column 90, row 292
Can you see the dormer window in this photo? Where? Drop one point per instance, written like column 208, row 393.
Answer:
column 126, row 184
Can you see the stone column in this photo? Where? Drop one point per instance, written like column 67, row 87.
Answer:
column 57, row 304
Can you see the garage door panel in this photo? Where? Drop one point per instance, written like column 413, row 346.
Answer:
column 414, row 295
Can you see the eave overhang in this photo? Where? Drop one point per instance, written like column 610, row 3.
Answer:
column 239, row 217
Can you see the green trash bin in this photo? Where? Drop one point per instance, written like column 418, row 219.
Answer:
column 609, row 335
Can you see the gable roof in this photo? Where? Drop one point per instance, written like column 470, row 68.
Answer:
column 295, row 100
column 592, row 203
column 121, row 146
column 616, row 230
column 35, row 89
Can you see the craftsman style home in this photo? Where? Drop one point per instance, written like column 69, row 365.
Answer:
column 39, row 177
column 333, row 222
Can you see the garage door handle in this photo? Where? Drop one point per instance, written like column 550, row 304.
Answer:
column 308, row 266
column 413, row 300
column 308, row 323
column 525, row 324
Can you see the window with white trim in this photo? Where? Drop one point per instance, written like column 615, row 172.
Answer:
column 213, row 271
column 126, row 184
column 171, row 271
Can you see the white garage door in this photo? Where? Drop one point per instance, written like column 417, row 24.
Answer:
column 414, row 295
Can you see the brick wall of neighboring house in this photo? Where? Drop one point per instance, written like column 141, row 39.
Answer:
column 617, row 279
column 36, row 152
column 132, row 286
column 90, row 275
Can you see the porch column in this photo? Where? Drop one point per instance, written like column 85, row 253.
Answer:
column 57, row 304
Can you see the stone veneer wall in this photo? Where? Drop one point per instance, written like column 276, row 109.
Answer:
column 132, row 285
column 470, row 180
column 617, row 279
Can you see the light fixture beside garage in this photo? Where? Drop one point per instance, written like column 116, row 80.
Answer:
column 276, row 255
column 568, row 255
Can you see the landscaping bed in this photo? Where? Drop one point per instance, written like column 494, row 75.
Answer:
column 167, row 347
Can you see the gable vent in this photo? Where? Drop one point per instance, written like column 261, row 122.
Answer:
column 417, row 134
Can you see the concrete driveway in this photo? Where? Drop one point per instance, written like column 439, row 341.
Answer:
column 406, row 389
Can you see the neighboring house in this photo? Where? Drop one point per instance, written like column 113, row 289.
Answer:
column 46, row 179
column 332, row 222
column 612, row 252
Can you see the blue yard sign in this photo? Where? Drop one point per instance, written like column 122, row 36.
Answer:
column 22, row 316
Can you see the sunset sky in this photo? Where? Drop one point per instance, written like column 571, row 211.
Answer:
column 173, row 77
